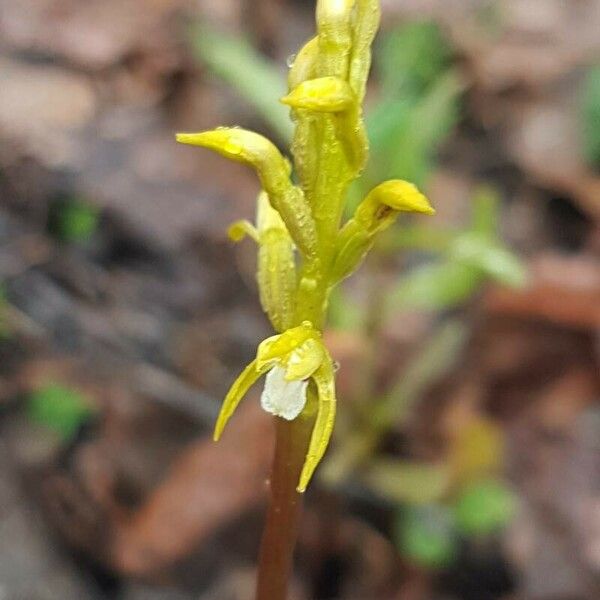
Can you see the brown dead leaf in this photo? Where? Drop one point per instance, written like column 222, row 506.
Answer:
column 545, row 140
column 564, row 400
column 94, row 34
column 207, row 487
column 564, row 290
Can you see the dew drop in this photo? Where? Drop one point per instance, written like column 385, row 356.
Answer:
column 291, row 59
column 232, row 148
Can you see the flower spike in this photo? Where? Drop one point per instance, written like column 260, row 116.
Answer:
column 303, row 249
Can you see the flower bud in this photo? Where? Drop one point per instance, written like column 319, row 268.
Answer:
column 325, row 94
column 273, row 170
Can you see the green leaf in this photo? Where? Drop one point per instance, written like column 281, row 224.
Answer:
column 490, row 258
column 484, row 507
column 406, row 133
column 254, row 77
column 436, row 286
column 590, row 116
column 417, row 236
column 486, row 211
column 59, row 408
column 414, row 483
column 343, row 312
column 386, row 120
column 73, row 220
column 425, row 534
column 410, row 58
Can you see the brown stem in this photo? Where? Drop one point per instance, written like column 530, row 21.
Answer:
column 285, row 507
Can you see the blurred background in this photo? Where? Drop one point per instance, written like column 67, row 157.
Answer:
column 466, row 458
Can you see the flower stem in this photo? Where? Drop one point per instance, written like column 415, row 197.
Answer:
column 285, row 507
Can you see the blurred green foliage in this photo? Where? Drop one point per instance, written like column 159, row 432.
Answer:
column 591, row 116
column 73, row 220
column 254, row 77
column 5, row 328
column 426, row 535
column 484, row 507
column 417, row 106
column 429, row 534
column 411, row 58
column 410, row 482
column 59, row 408
column 466, row 260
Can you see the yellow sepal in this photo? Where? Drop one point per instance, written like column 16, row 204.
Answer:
column 402, row 196
column 273, row 170
column 238, row 390
column 324, row 378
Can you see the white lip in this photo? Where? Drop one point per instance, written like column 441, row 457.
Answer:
column 285, row 399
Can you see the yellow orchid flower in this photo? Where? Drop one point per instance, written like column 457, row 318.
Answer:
column 290, row 360
column 304, row 249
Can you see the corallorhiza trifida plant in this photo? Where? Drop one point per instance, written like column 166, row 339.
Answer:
column 304, row 251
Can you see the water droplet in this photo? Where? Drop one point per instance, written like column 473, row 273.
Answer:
column 291, row 59
column 232, row 148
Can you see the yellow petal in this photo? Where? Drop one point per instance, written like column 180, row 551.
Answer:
column 304, row 64
column 280, row 346
column 334, row 24
column 238, row 390
column 366, row 23
column 276, row 276
column 325, row 380
column 325, row 94
column 240, row 229
column 266, row 216
column 305, row 360
column 276, row 273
